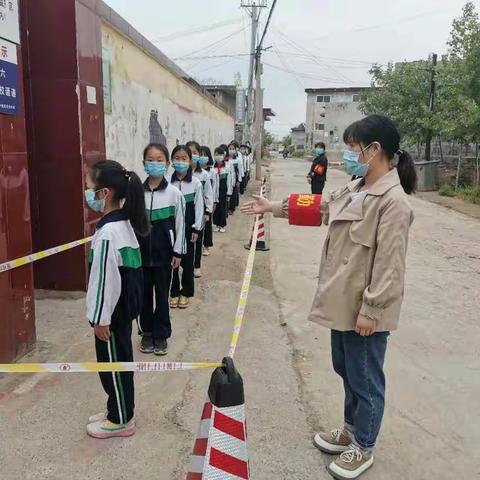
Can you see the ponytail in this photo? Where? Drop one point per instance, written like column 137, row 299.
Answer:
column 381, row 129
column 406, row 172
column 125, row 186
column 134, row 206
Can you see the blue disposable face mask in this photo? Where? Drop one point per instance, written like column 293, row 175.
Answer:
column 203, row 160
column 95, row 204
column 218, row 159
column 319, row 151
column 155, row 169
column 352, row 164
column 232, row 153
column 181, row 167
column 195, row 158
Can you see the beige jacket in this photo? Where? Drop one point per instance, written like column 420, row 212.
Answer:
column 363, row 261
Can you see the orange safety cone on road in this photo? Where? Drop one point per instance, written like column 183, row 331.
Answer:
column 223, row 454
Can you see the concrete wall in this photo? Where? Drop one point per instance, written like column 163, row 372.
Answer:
column 150, row 103
column 339, row 114
column 298, row 140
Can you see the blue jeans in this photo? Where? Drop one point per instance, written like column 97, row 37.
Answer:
column 359, row 361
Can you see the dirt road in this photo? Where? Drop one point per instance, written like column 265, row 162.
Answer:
column 431, row 423
column 431, row 430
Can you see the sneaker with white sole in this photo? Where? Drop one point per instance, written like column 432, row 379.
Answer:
column 222, row 230
column 351, row 464
column 206, row 251
column 106, row 429
column 197, row 273
column 98, row 417
column 334, row 442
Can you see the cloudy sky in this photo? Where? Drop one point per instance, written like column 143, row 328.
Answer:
column 315, row 43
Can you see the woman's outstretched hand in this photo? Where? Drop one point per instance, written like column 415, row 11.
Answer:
column 257, row 206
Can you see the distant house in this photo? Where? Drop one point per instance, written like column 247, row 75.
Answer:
column 329, row 112
column 298, row 137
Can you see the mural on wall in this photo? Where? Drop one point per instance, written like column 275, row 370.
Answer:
column 155, row 129
column 140, row 116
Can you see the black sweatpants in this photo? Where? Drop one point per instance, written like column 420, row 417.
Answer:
column 234, row 199
column 243, row 184
column 208, row 232
column 221, row 212
column 198, row 250
column 188, row 282
column 117, row 385
column 318, row 186
column 156, row 282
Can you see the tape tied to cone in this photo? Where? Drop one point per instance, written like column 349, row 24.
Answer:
column 304, row 210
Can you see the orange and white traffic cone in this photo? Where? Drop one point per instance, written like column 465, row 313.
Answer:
column 261, row 238
column 224, row 455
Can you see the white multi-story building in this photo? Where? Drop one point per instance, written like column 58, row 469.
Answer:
column 329, row 112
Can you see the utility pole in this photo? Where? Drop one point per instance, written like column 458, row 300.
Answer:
column 258, row 113
column 428, row 140
column 256, row 6
column 259, row 98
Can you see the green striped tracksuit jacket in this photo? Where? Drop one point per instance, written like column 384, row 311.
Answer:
column 208, row 195
column 116, row 276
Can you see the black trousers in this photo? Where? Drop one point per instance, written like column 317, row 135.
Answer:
column 156, row 282
column 208, row 232
column 187, row 288
column 243, row 184
column 117, row 385
column 234, row 199
column 317, row 187
column 198, row 250
column 221, row 212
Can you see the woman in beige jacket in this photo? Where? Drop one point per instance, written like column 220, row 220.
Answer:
column 361, row 284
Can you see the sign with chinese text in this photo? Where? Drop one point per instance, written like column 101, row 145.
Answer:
column 9, row 86
column 240, row 106
column 9, row 26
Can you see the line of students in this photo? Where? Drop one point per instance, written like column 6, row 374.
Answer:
column 147, row 232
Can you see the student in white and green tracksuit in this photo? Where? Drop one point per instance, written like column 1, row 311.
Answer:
column 115, row 288
column 162, row 250
column 192, row 191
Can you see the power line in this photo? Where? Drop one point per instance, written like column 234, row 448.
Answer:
column 208, row 47
column 267, row 24
column 194, row 31
column 305, row 51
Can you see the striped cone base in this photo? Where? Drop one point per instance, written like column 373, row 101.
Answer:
column 222, row 455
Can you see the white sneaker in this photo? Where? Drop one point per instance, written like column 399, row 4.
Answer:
column 106, row 429
column 351, row 464
column 206, row 252
column 98, row 417
column 222, row 230
column 197, row 273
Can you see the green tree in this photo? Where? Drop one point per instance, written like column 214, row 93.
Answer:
column 458, row 106
column 269, row 138
column 287, row 141
column 401, row 91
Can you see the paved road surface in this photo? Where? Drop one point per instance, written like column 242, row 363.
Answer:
column 431, row 426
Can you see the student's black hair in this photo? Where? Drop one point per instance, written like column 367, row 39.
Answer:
column 193, row 143
column 224, row 147
column 234, row 143
column 320, row 145
column 220, row 150
column 381, row 129
column 206, row 152
column 127, row 186
column 180, row 148
column 158, row 146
